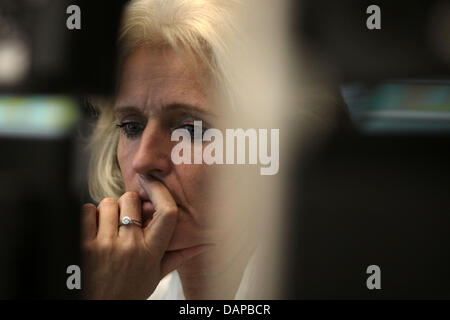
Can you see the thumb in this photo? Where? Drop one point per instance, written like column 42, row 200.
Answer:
column 173, row 259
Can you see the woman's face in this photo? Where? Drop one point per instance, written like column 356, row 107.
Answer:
column 157, row 95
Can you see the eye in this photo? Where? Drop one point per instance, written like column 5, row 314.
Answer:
column 192, row 128
column 131, row 129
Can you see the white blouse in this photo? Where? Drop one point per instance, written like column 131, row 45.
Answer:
column 170, row 288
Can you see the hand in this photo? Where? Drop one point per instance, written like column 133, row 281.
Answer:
column 128, row 262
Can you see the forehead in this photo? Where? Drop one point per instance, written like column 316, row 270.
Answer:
column 155, row 77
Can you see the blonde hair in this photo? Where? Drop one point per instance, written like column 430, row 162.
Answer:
column 196, row 30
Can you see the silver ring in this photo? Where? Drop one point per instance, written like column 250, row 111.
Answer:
column 127, row 221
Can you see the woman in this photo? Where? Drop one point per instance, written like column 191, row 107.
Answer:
column 172, row 72
column 183, row 62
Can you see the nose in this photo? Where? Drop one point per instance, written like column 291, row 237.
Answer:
column 152, row 157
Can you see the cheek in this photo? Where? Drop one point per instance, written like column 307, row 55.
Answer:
column 125, row 157
column 197, row 184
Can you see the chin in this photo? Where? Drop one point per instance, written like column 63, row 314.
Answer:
column 186, row 237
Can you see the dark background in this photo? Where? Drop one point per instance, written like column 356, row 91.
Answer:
column 360, row 198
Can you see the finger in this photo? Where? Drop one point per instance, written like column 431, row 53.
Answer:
column 173, row 259
column 130, row 206
column 88, row 221
column 108, row 216
column 159, row 195
column 159, row 232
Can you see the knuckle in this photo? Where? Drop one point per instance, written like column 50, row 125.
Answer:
column 130, row 195
column 104, row 246
column 88, row 208
column 108, row 201
column 169, row 211
column 129, row 245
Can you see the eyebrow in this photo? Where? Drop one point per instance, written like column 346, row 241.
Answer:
column 188, row 108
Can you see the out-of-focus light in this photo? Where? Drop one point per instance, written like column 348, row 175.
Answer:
column 14, row 61
column 37, row 116
column 421, row 107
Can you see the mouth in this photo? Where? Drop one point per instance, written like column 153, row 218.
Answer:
column 148, row 210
